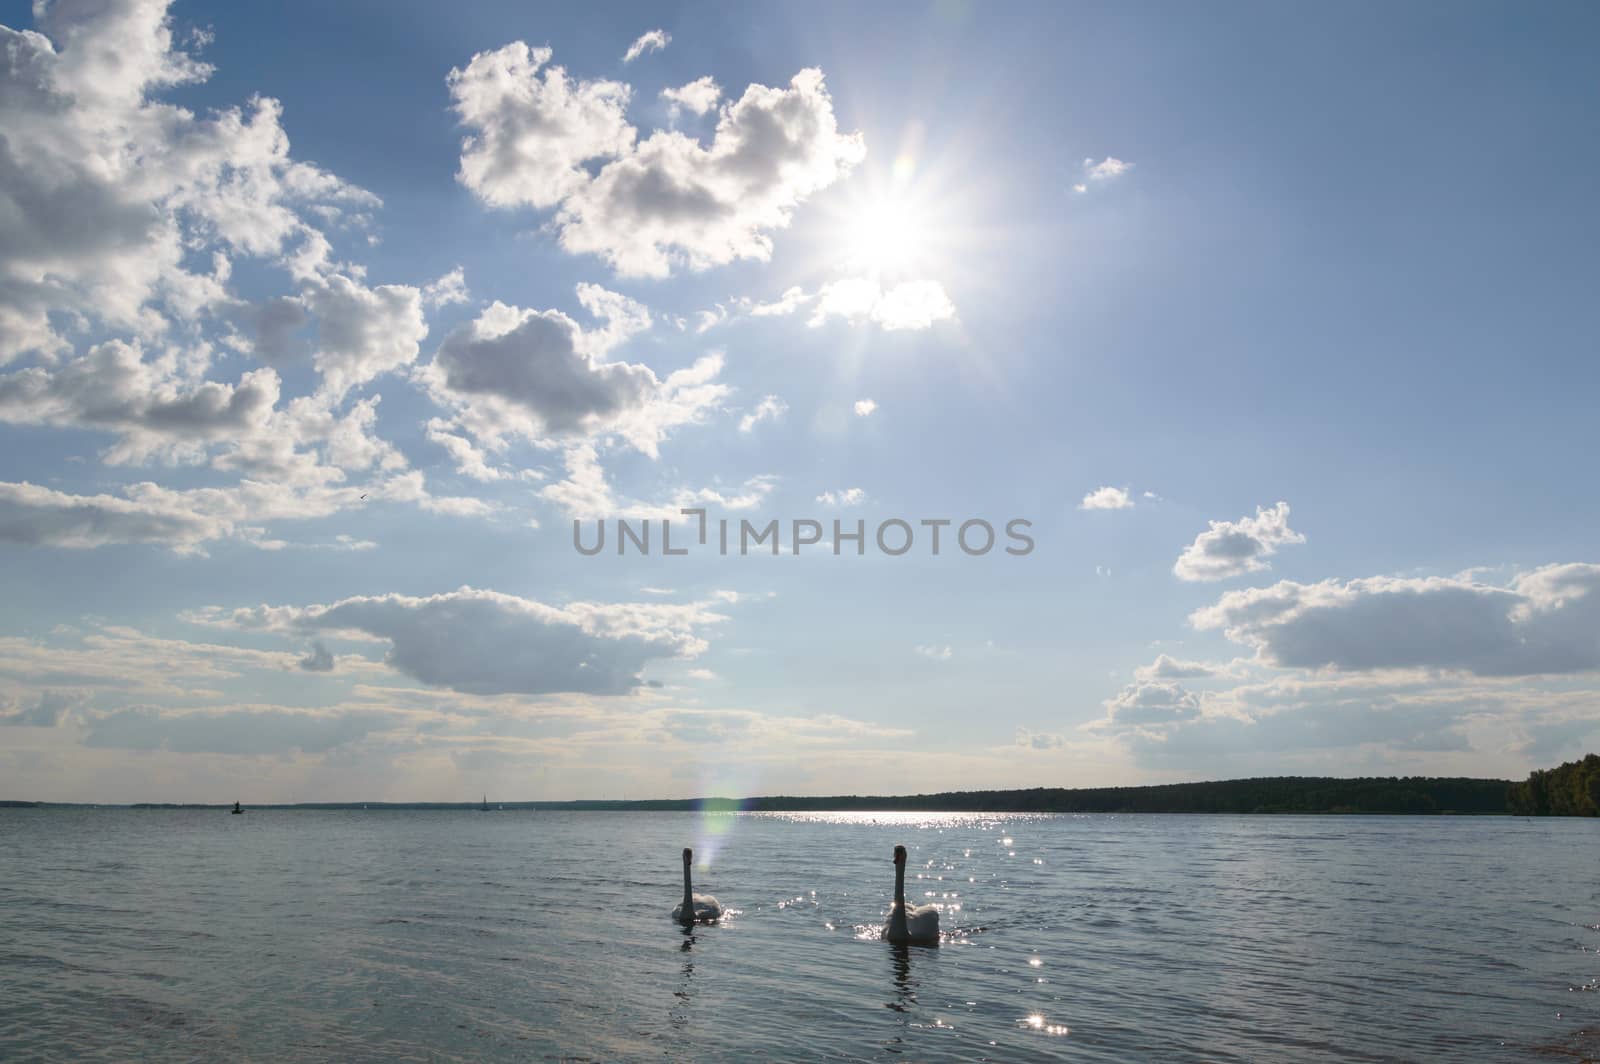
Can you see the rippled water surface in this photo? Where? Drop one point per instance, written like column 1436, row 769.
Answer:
column 285, row 935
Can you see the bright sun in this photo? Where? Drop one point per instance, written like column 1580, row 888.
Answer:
column 887, row 235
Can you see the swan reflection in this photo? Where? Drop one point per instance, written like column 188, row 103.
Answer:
column 905, row 991
column 678, row 1015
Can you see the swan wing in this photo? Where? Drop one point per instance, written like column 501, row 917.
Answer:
column 922, row 924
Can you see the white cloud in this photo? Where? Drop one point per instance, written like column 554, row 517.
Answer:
column 1107, row 169
column 470, row 461
column 451, row 288
column 186, row 520
column 657, row 204
column 1150, row 703
column 539, row 375
column 153, row 406
column 363, row 332
column 33, row 515
column 107, row 193
column 769, row 409
column 121, row 220
column 1167, row 668
column 846, row 497
column 791, row 300
column 865, row 407
column 650, row 41
column 907, row 305
column 672, row 202
column 532, row 134
column 937, row 653
column 1543, row 622
column 487, row 643
column 1233, row 548
column 1107, row 498
column 697, row 97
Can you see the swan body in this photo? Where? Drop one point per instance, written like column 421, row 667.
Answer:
column 695, row 908
column 917, row 925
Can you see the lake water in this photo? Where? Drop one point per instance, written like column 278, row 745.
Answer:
column 296, row 935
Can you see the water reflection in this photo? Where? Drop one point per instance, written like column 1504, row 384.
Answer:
column 905, row 991
column 678, row 1015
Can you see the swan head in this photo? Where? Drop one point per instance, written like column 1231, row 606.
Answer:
column 899, row 855
column 688, row 855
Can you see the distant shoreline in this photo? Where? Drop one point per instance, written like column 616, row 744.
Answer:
column 1276, row 794
column 1572, row 789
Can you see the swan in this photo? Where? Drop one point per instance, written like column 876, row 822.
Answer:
column 695, row 908
column 916, row 926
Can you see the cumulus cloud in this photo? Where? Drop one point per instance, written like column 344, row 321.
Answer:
column 912, row 305
column 121, row 220
column 1039, row 740
column 488, row 643
column 114, row 388
column 106, row 192
column 32, row 515
column 533, row 132
column 470, row 460
column 936, row 653
column 650, row 41
column 1168, row 668
column 1233, row 548
column 654, row 205
column 1107, row 499
column 671, row 201
column 1107, row 169
column 184, row 521
column 363, row 332
column 539, row 374
column 1150, row 703
column 451, row 288
column 1546, row 621
column 697, row 97
column 865, row 407
column 843, row 497
column 769, row 409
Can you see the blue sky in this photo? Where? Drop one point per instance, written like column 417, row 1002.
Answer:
column 320, row 325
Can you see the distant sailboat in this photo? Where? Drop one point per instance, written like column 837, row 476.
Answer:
column 484, row 808
column 236, row 809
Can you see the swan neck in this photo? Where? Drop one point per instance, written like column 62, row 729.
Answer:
column 688, row 892
column 898, row 931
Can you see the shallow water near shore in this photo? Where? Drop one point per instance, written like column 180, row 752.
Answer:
column 438, row 936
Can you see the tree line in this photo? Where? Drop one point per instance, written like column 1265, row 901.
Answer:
column 1573, row 789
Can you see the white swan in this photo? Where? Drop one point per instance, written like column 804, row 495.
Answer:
column 695, row 908
column 916, row 926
